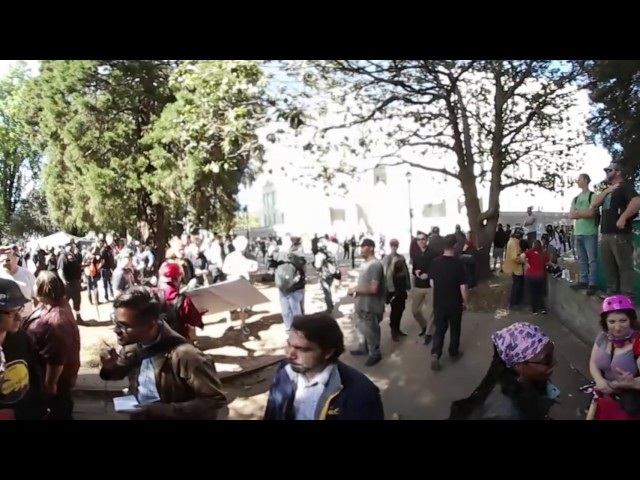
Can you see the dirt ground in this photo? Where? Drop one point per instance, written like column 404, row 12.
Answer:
column 410, row 390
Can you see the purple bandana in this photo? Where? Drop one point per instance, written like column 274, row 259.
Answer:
column 519, row 342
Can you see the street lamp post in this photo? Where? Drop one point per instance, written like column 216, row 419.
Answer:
column 410, row 205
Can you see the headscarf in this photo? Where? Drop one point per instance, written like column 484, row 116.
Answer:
column 519, row 342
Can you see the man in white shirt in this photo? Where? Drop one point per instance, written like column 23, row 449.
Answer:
column 10, row 270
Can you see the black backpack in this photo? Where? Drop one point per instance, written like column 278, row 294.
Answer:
column 171, row 312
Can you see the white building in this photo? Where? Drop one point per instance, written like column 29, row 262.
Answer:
column 378, row 201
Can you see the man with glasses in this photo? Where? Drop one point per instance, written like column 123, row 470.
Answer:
column 421, row 294
column 620, row 205
column 170, row 378
column 21, row 395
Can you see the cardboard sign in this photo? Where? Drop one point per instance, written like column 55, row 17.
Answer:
column 226, row 296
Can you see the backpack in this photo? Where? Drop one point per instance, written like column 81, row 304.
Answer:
column 597, row 215
column 289, row 273
column 172, row 312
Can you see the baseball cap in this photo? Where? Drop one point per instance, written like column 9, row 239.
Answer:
column 394, row 242
column 10, row 295
column 367, row 242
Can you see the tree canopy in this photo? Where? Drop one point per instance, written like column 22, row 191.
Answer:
column 139, row 143
column 19, row 159
column 484, row 120
column 614, row 87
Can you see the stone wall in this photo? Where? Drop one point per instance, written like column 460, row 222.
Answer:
column 578, row 312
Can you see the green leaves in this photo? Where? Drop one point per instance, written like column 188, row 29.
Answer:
column 151, row 141
column 614, row 87
column 19, row 158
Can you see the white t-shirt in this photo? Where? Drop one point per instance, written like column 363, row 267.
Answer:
column 26, row 281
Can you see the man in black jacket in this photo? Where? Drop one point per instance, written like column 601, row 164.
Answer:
column 421, row 294
column 21, row 395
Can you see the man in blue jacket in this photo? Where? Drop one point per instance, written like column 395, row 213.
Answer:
column 312, row 384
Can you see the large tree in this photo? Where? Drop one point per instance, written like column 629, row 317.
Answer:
column 30, row 219
column 139, row 143
column 19, row 159
column 488, row 118
column 614, row 87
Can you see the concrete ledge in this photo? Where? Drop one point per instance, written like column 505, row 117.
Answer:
column 577, row 311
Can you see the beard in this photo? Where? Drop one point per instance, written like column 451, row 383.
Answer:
column 296, row 367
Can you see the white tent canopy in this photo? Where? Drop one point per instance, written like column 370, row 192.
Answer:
column 56, row 240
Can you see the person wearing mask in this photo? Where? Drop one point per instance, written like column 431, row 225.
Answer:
column 369, row 304
column 313, row 384
column 398, row 283
column 170, row 378
column 516, row 386
column 421, row 295
column 514, row 266
column 450, row 297
column 620, row 205
column 10, row 270
column 56, row 339
column 21, row 395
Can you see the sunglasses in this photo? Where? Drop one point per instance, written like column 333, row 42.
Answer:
column 121, row 325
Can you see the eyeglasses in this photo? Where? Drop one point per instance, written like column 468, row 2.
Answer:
column 20, row 309
column 119, row 324
column 548, row 361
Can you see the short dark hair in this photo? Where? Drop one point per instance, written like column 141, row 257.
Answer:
column 367, row 242
column 586, row 177
column 143, row 301
column 450, row 241
column 323, row 330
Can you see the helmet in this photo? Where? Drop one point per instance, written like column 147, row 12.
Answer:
column 616, row 303
column 171, row 271
column 10, row 295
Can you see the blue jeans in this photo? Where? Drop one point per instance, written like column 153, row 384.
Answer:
column 587, row 247
column 291, row 304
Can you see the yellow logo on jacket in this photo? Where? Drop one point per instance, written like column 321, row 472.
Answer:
column 333, row 411
column 15, row 384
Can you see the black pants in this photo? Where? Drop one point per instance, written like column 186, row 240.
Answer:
column 517, row 290
column 325, row 284
column 445, row 318
column 398, row 304
column 73, row 291
column 60, row 408
column 536, row 290
column 106, row 275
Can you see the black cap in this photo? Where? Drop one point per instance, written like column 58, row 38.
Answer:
column 367, row 242
column 10, row 295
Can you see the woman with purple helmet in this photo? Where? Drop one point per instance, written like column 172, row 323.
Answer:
column 614, row 363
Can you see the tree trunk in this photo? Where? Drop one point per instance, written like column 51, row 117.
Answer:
column 161, row 233
column 482, row 225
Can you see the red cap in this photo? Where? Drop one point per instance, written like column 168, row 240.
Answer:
column 171, row 271
column 394, row 243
